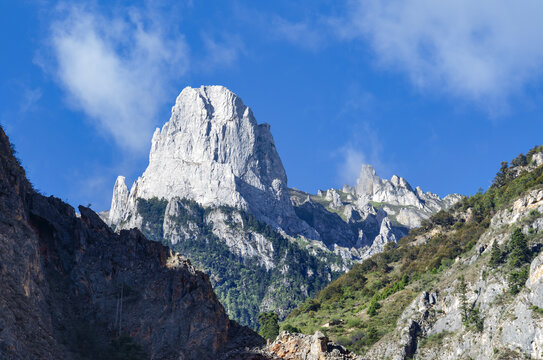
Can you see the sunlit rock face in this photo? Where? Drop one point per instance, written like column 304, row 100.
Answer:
column 213, row 151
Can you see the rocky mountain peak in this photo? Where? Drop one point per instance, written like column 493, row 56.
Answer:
column 119, row 200
column 396, row 191
column 367, row 181
column 213, row 151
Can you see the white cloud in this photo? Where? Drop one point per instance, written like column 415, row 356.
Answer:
column 482, row 50
column 117, row 69
column 221, row 53
column 363, row 147
column 301, row 33
column 30, row 99
column 349, row 168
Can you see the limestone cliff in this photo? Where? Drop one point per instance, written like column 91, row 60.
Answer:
column 213, row 151
column 473, row 311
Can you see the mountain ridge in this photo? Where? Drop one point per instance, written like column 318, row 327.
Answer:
column 215, row 180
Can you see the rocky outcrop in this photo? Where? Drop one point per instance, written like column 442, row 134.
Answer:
column 69, row 285
column 406, row 205
column 308, row 347
column 119, row 201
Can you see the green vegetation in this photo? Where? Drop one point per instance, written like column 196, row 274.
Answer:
column 470, row 313
column 268, row 326
column 242, row 284
column 434, row 340
column 537, row 310
column 519, row 252
column 497, row 255
column 369, row 299
column 517, row 279
column 290, row 328
column 518, row 256
column 519, row 260
column 154, row 210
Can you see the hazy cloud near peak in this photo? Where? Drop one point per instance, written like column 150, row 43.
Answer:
column 364, row 147
column 117, row 69
column 221, row 52
column 350, row 165
column 481, row 50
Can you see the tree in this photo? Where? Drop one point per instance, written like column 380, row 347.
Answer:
column 496, row 255
column 520, row 253
column 464, row 307
column 501, row 176
column 520, row 160
column 373, row 306
column 268, row 325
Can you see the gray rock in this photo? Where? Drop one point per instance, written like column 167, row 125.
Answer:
column 213, row 151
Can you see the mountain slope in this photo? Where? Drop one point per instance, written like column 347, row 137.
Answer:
column 215, row 190
column 73, row 289
column 466, row 284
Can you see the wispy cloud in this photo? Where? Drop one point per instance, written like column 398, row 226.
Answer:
column 30, row 98
column 221, row 52
column 481, row 50
column 301, row 33
column 364, row 147
column 117, row 69
column 350, row 165
column 309, row 30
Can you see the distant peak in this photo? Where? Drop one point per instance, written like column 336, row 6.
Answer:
column 121, row 180
column 367, row 169
column 367, row 180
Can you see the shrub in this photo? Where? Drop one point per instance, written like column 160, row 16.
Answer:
column 536, row 309
column 517, row 279
column 443, row 218
column 520, row 160
column 268, row 325
column 373, row 306
column 353, row 322
column 291, row 329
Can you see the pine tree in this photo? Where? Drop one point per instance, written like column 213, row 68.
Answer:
column 496, row 255
column 464, row 307
column 519, row 251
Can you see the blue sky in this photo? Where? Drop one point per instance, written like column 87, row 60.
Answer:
column 437, row 92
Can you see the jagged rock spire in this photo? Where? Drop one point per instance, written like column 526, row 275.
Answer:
column 213, row 151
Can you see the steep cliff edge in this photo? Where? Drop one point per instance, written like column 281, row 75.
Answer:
column 70, row 286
